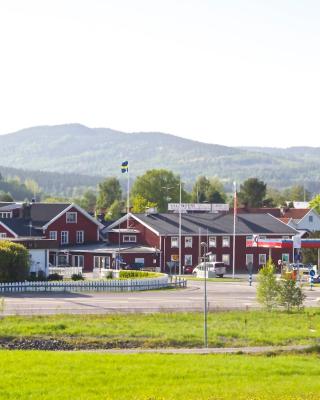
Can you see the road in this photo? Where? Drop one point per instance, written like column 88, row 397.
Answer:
column 222, row 296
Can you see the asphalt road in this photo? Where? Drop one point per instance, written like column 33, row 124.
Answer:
column 222, row 296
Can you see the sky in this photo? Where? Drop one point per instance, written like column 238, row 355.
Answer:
column 220, row 71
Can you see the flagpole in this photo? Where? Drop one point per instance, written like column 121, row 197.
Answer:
column 128, row 198
column 234, row 229
column 180, row 229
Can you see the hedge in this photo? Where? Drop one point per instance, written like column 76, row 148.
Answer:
column 136, row 274
column 14, row 262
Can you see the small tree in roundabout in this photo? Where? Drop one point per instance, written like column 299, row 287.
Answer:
column 14, row 262
column 290, row 295
column 267, row 291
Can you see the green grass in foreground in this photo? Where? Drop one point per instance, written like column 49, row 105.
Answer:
column 85, row 376
column 225, row 329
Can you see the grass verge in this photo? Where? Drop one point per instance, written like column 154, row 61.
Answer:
column 225, row 329
column 62, row 376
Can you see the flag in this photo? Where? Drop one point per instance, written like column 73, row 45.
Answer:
column 125, row 167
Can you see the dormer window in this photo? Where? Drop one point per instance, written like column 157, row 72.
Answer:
column 71, row 217
column 129, row 238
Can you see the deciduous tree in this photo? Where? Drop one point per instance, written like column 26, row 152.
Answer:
column 109, row 192
column 252, row 192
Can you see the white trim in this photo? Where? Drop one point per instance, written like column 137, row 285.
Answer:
column 124, row 218
column 8, row 229
column 314, row 213
column 81, row 210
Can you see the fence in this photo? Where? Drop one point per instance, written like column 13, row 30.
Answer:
column 111, row 285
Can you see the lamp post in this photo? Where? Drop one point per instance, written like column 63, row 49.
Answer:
column 205, row 246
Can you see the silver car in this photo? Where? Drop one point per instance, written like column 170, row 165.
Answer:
column 216, row 268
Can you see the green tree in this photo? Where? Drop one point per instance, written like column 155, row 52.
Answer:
column 88, row 200
column 267, row 290
column 109, row 192
column 32, row 186
column 208, row 190
column 252, row 192
column 315, row 203
column 14, row 262
column 274, row 198
column 290, row 295
column 5, row 196
column 115, row 211
column 140, row 204
column 297, row 193
column 159, row 186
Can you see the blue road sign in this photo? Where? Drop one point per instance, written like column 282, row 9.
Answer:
column 312, row 272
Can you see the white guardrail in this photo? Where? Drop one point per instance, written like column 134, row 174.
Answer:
column 109, row 285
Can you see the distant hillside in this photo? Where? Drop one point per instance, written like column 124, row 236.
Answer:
column 77, row 149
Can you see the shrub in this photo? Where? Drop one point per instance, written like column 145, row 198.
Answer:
column 267, row 291
column 135, row 274
column 77, row 277
column 290, row 295
column 14, row 262
column 55, row 277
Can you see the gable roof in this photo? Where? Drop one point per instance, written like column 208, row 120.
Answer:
column 295, row 213
column 20, row 227
column 217, row 224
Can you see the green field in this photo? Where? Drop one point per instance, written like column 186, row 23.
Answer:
column 85, row 376
column 225, row 329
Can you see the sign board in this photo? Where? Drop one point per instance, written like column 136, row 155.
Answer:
column 312, row 272
column 207, row 207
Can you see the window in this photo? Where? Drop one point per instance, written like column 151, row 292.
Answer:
column 3, row 235
column 71, row 217
column 102, row 262
column 64, row 237
column 249, row 259
column 53, row 235
column 188, row 241
column 188, row 259
column 226, row 259
column 174, row 241
column 5, row 214
column 225, row 241
column 285, row 257
column 78, row 261
column 248, row 237
column 62, row 260
column 262, row 259
column 212, row 241
column 80, row 237
column 139, row 261
column 310, row 218
column 212, row 257
column 129, row 238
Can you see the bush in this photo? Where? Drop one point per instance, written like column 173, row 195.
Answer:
column 135, row 274
column 14, row 262
column 77, row 277
column 55, row 277
column 290, row 295
column 267, row 291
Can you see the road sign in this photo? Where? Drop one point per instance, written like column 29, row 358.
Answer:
column 312, row 272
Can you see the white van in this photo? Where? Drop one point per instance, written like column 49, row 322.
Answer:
column 214, row 269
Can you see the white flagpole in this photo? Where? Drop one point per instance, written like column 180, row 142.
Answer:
column 234, row 229
column 128, row 197
column 180, row 229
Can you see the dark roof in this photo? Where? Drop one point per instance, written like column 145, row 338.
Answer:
column 44, row 212
column 218, row 224
column 21, row 227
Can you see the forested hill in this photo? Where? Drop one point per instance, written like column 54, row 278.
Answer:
column 75, row 148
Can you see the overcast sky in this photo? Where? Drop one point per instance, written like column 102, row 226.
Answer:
column 230, row 72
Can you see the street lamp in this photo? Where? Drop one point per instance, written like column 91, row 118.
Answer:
column 205, row 246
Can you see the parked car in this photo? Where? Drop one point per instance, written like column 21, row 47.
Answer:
column 316, row 279
column 216, row 268
column 134, row 266
column 187, row 269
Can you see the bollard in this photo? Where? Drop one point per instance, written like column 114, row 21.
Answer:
column 250, row 280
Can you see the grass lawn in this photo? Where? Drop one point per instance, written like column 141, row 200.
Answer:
column 84, row 376
column 225, row 329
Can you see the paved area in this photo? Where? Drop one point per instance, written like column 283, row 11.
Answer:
column 222, row 296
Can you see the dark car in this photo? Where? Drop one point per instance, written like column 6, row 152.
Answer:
column 316, row 279
column 134, row 266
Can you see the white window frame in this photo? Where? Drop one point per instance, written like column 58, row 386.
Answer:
column 212, row 257
column 79, row 237
column 68, row 215
column 5, row 214
column 129, row 238
column 3, row 235
column 174, row 239
column 188, row 260
column 53, row 235
column 264, row 257
column 64, row 237
column 101, row 261
column 226, row 259
column 225, row 241
column 188, row 241
column 249, row 258
column 78, row 258
column 212, row 241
